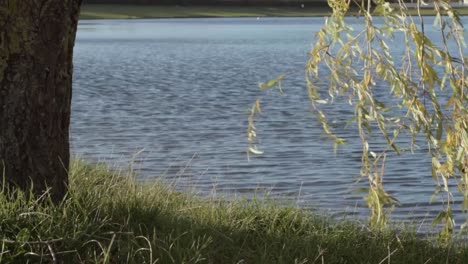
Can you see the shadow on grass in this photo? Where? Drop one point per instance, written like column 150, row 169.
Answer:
column 109, row 218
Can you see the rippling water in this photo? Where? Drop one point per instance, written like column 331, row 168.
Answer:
column 176, row 91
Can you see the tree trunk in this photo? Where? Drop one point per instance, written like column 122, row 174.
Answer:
column 36, row 49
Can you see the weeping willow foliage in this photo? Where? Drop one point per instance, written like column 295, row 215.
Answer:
column 424, row 88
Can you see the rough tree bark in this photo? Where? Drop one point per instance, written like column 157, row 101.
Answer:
column 36, row 49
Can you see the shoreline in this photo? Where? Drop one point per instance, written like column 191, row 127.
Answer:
column 111, row 217
column 116, row 11
column 111, row 11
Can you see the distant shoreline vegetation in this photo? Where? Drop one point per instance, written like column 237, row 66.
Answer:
column 322, row 3
column 123, row 10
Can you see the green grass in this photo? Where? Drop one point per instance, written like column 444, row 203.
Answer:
column 109, row 218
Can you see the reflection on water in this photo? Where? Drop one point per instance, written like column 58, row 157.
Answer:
column 178, row 90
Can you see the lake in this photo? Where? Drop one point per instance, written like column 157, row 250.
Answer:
column 172, row 95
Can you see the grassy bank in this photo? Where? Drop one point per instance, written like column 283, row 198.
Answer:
column 112, row 219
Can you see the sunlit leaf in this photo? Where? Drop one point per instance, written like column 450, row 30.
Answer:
column 272, row 82
column 254, row 150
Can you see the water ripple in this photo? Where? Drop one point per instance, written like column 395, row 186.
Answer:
column 179, row 91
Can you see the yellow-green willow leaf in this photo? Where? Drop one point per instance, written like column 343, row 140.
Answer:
column 271, row 83
column 257, row 106
column 435, row 166
column 440, row 130
column 451, row 101
column 460, row 155
column 378, row 68
column 465, row 204
column 444, row 180
column 359, row 67
column 254, row 150
column 321, row 101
